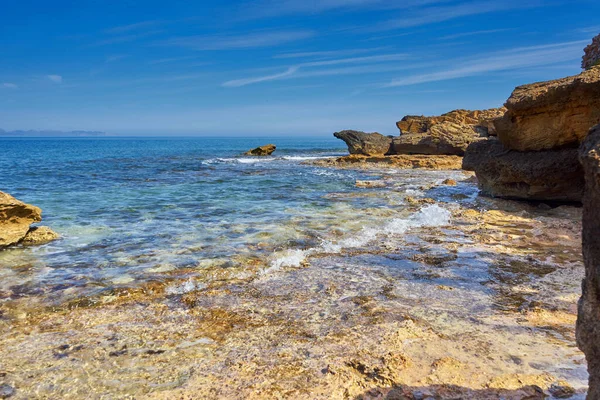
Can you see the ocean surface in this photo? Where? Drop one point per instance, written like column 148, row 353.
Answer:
column 130, row 210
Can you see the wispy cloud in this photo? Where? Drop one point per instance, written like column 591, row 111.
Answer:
column 55, row 78
column 294, row 70
column 431, row 15
column 330, row 53
column 132, row 27
column 171, row 59
column 273, row 8
column 9, row 85
column 126, row 38
column 115, row 57
column 240, row 41
column 474, row 33
column 517, row 58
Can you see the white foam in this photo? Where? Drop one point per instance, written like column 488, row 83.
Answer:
column 303, row 158
column 185, row 287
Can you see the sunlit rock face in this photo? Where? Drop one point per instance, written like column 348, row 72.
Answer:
column 592, row 54
column 16, row 218
column 548, row 115
column 447, row 134
column 588, row 322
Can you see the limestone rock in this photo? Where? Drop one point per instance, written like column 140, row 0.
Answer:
column 588, row 323
column 265, row 150
column 15, row 219
column 553, row 175
column 592, row 54
column 551, row 114
column 402, row 161
column 39, row 235
column 367, row 144
column 448, row 134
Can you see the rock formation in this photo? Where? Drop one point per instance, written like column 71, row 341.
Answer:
column 591, row 56
column 551, row 114
column 588, row 320
column 448, row 134
column 16, row 218
column 265, row 150
column 366, row 144
column 553, row 175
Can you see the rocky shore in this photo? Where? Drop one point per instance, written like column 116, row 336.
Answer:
column 16, row 219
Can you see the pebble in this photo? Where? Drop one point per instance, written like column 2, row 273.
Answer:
column 6, row 391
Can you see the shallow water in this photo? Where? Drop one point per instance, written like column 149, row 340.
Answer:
column 273, row 244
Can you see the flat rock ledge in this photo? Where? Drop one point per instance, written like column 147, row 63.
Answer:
column 394, row 161
column 16, row 219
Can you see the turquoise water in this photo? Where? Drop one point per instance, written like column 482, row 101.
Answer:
column 131, row 209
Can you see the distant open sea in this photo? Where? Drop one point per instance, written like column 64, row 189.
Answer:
column 132, row 210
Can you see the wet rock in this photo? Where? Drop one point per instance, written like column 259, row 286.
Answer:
column 370, row 184
column 6, row 391
column 265, row 150
column 368, row 144
column 562, row 390
column 448, row 134
column 553, row 114
column 394, row 161
column 449, row 182
column 588, row 323
column 553, row 175
column 15, row 219
column 39, row 235
column 591, row 55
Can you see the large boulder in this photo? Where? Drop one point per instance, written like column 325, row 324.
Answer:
column 367, row 144
column 553, row 175
column 16, row 218
column 591, row 55
column 551, row 114
column 448, row 134
column 262, row 151
column 588, row 318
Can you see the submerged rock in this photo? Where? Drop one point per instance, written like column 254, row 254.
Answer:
column 367, row 144
column 16, row 218
column 548, row 115
column 553, row 175
column 591, row 57
column 39, row 235
column 448, row 134
column 588, row 323
column 265, row 150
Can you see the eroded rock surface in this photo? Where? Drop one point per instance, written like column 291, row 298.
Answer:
column 368, row 144
column 265, row 150
column 448, row 134
column 588, row 323
column 591, row 57
column 15, row 219
column 553, row 175
column 39, row 235
column 394, row 161
column 551, row 114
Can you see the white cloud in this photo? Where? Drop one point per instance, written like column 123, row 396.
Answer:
column 473, row 33
column 132, row 27
column 9, row 85
column 292, row 71
column 512, row 59
column 330, row 53
column 236, row 42
column 55, row 78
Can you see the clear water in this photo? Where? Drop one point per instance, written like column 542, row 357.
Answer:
column 134, row 209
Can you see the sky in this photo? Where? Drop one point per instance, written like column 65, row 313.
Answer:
column 275, row 67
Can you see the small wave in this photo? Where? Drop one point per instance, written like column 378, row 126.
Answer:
column 429, row 216
column 304, row 158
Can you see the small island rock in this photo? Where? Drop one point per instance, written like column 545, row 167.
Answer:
column 261, row 151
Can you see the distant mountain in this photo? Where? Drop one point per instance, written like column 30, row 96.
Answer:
column 32, row 133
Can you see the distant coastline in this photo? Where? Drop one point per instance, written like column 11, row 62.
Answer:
column 34, row 133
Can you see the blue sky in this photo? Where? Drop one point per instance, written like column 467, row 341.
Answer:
column 268, row 67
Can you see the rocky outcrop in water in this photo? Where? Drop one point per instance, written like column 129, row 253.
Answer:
column 366, row 144
column 401, row 161
column 448, row 134
column 548, row 115
column 16, row 218
column 261, row 151
column 553, row 175
column 588, row 322
column 591, row 56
